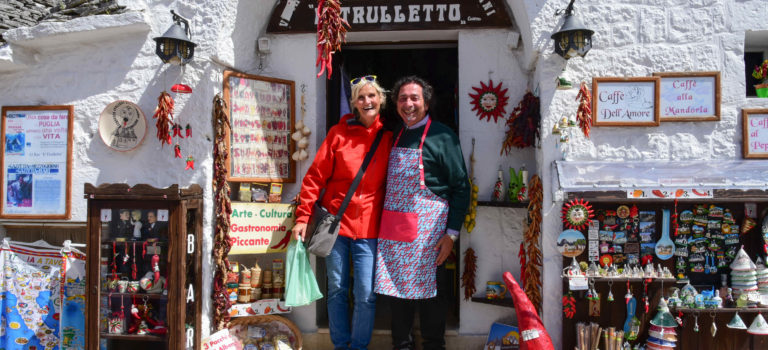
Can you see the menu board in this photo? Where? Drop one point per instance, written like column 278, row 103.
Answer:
column 690, row 96
column 755, row 133
column 625, row 101
column 36, row 161
column 261, row 114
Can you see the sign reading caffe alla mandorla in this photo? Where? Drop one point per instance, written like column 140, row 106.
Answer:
column 300, row 16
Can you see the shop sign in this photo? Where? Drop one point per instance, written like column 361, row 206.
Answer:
column 669, row 193
column 626, row 101
column 256, row 228
column 299, row 16
column 754, row 133
column 689, row 96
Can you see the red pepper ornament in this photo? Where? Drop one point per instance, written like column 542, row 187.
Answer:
column 177, row 150
column 156, row 266
column 190, row 163
column 188, row 129
column 569, row 305
column 177, row 130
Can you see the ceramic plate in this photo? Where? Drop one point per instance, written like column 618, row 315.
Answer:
column 122, row 126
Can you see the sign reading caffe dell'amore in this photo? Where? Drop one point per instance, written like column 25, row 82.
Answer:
column 299, row 16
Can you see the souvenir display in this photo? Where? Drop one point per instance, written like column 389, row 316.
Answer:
column 489, row 101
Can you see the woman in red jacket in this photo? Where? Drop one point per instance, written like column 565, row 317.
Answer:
column 337, row 161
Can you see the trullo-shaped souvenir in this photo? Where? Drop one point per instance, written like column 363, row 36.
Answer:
column 762, row 277
column 737, row 322
column 663, row 317
column 533, row 335
column 743, row 274
column 758, row 326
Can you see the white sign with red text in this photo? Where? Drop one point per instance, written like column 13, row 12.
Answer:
column 256, row 228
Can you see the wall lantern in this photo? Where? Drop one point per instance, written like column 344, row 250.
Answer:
column 176, row 46
column 573, row 38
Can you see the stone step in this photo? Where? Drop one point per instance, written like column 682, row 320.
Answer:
column 382, row 340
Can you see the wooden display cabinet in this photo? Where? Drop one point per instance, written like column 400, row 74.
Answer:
column 144, row 267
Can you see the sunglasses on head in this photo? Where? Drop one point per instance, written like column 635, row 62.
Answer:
column 368, row 78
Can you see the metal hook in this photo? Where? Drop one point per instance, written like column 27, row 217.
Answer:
column 303, row 88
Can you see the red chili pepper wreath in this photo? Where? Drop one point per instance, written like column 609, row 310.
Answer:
column 523, row 124
column 331, row 32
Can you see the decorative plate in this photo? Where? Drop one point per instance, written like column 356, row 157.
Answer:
column 122, row 126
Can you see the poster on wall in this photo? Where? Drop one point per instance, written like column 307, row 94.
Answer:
column 256, row 228
column 36, row 161
column 689, row 96
column 262, row 114
column 754, row 133
column 625, row 101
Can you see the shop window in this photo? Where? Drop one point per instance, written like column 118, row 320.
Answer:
column 755, row 51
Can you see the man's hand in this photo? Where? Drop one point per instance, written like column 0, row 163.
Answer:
column 444, row 246
column 299, row 230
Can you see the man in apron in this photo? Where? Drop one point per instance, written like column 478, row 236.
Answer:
column 426, row 200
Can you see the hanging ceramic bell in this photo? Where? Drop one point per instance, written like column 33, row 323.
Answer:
column 736, row 322
column 663, row 318
column 758, row 326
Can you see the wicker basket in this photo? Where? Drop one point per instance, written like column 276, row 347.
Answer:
column 263, row 319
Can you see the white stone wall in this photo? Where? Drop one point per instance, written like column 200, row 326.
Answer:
column 91, row 68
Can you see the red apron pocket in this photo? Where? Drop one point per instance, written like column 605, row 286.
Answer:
column 399, row 226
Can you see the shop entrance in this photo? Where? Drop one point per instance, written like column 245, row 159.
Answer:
column 438, row 64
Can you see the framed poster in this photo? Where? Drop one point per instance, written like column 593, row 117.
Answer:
column 36, row 162
column 625, row 101
column 689, row 96
column 754, row 124
column 261, row 117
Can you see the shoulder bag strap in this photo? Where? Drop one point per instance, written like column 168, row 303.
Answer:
column 359, row 175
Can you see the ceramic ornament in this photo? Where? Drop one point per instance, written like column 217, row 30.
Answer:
column 736, row 322
column 665, row 247
column 577, row 213
column 571, row 243
column 758, row 326
column 489, row 101
column 743, row 274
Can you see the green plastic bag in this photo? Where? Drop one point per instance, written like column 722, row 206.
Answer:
column 301, row 286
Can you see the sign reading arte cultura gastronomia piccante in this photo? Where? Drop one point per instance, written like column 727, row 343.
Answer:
column 299, row 16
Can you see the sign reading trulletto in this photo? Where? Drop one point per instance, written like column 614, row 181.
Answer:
column 299, row 16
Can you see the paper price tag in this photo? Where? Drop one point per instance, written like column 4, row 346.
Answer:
column 577, row 283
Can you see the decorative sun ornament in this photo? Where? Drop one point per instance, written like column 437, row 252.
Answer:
column 489, row 101
column 577, row 213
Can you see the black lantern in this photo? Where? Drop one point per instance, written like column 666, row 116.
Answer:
column 176, row 46
column 573, row 38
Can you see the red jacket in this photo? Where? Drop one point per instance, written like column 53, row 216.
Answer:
column 334, row 168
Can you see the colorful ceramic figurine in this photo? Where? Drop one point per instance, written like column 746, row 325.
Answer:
column 498, row 188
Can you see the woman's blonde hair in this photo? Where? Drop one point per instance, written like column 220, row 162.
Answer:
column 356, row 90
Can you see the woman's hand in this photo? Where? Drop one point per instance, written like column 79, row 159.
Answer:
column 299, row 230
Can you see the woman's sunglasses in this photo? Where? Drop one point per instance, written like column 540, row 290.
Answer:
column 368, row 78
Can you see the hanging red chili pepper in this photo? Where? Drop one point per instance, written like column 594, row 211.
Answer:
column 156, row 265
column 523, row 124
column 584, row 113
column 177, row 151
column 331, row 33
column 177, row 131
column 569, row 305
column 190, row 163
column 164, row 116
column 188, row 130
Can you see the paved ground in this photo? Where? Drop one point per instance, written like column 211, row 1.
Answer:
column 382, row 341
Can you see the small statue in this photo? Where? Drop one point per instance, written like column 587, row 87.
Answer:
column 498, row 188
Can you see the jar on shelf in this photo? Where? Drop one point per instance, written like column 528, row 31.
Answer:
column 256, row 276
column 255, row 294
column 266, row 291
column 244, row 293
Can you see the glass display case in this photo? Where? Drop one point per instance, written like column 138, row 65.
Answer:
column 144, row 267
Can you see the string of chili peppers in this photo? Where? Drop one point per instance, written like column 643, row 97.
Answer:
column 569, row 305
column 223, row 209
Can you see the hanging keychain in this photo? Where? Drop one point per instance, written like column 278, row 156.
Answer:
column 610, row 291
column 713, row 328
column 156, row 264
column 628, row 296
column 126, row 257
column 594, row 302
column 134, row 270
column 114, row 261
column 645, row 293
column 696, row 321
column 144, row 250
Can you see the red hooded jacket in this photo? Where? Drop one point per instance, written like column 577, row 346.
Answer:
column 335, row 166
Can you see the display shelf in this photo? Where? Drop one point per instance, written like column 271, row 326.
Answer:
column 630, row 279
column 158, row 242
column 687, row 310
column 506, row 302
column 260, row 307
column 503, row 204
column 134, row 337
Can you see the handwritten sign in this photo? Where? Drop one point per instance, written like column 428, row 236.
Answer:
column 261, row 120
column 221, row 340
column 36, row 161
column 755, row 133
column 256, row 228
column 625, row 101
column 691, row 96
